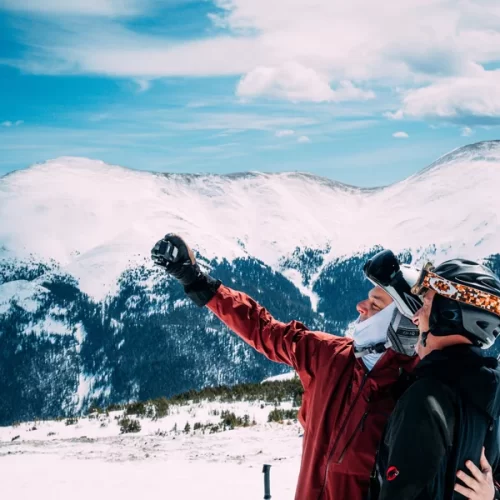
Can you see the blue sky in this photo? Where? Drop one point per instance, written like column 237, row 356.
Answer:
column 342, row 90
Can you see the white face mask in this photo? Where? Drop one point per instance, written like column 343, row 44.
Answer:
column 370, row 332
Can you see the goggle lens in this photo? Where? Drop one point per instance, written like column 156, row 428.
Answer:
column 382, row 268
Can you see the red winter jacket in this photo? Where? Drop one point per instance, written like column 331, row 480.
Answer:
column 344, row 407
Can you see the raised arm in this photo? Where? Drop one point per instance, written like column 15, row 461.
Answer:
column 289, row 343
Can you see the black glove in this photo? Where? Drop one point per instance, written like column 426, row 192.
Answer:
column 173, row 254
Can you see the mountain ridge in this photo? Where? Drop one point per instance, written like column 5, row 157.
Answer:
column 481, row 147
column 97, row 220
column 478, row 148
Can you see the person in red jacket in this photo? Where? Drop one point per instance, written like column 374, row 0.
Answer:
column 349, row 382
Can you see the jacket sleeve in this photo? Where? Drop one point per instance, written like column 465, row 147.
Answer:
column 418, row 437
column 290, row 343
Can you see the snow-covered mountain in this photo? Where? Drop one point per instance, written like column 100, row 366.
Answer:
column 96, row 220
column 85, row 317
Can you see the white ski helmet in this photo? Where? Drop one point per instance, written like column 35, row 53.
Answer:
column 385, row 271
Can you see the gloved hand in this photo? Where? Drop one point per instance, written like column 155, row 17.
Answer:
column 174, row 255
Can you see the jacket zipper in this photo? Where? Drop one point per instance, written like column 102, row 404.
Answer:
column 344, row 423
column 361, row 427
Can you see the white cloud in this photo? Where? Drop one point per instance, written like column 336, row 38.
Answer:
column 303, row 139
column 106, row 48
column 327, row 39
column 12, row 124
column 297, row 83
column 217, row 20
column 428, row 39
column 455, row 98
column 398, row 115
column 467, row 132
column 400, row 135
column 329, row 53
column 143, row 85
column 284, row 133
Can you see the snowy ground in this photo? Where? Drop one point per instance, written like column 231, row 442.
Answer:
column 91, row 459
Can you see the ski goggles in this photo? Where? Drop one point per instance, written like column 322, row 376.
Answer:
column 469, row 295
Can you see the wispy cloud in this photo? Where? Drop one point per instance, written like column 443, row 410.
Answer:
column 467, row 132
column 143, row 84
column 337, row 52
column 303, row 139
column 239, row 121
column 106, row 47
column 293, row 52
column 11, row 123
column 400, row 135
column 284, row 133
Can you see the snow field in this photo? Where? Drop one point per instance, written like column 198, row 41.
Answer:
column 53, row 460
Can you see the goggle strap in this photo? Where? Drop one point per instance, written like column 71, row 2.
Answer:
column 455, row 291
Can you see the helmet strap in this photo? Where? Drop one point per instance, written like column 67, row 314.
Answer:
column 360, row 352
